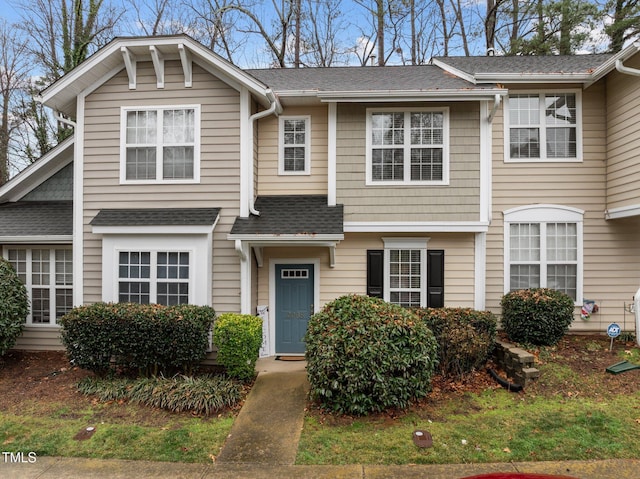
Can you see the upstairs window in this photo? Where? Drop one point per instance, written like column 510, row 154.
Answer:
column 407, row 147
column 160, row 144
column 295, row 145
column 544, row 127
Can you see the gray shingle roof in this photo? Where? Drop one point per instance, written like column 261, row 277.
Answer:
column 35, row 218
column 292, row 215
column 530, row 64
column 347, row 79
column 156, row 217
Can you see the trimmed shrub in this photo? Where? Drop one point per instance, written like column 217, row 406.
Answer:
column 14, row 306
column 465, row 337
column 539, row 316
column 238, row 338
column 365, row 355
column 201, row 395
column 149, row 338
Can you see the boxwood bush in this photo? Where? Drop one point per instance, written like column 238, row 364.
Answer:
column 149, row 339
column 14, row 306
column 465, row 337
column 238, row 338
column 539, row 316
column 365, row 355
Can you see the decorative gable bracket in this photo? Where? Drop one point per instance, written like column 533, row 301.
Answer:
column 130, row 63
column 158, row 65
column 157, row 57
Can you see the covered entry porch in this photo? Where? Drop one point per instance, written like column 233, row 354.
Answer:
column 283, row 253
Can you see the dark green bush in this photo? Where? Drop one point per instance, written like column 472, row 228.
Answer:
column 14, row 306
column 150, row 339
column 201, row 395
column 238, row 338
column 365, row 355
column 539, row 316
column 465, row 337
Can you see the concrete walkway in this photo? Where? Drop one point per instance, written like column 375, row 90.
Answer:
column 269, row 425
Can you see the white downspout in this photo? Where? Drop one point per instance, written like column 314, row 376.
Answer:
column 496, row 104
column 273, row 108
column 629, row 71
column 636, row 304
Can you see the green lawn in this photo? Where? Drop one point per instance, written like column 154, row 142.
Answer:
column 567, row 414
column 496, row 426
column 175, row 438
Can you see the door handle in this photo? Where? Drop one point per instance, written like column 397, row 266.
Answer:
column 311, row 309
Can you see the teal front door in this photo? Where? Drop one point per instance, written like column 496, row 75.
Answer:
column 294, row 306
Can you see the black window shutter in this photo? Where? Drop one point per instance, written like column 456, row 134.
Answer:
column 435, row 278
column 375, row 273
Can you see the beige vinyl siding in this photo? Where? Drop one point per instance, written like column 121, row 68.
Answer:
column 623, row 138
column 611, row 272
column 39, row 338
column 459, row 201
column 219, row 184
column 350, row 272
column 269, row 181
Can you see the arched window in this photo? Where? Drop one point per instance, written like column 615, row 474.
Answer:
column 543, row 248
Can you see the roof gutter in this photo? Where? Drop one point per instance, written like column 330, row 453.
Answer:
column 274, row 108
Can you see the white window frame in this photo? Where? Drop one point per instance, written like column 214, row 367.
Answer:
column 543, row 127
column 407, row 147
column 159, row 145
column 200, row 255
column 544, row 214
column 153, row 278
column 306, row 145
column 405, row 244
column 52, row 286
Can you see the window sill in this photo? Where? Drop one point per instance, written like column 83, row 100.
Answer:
column 543, row 160
column 407, row 183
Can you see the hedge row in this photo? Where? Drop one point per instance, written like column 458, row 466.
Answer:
column 150, row 339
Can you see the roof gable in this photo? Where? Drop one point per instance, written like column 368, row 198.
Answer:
column 124, row 52
column 39, row 172
column 585, row 69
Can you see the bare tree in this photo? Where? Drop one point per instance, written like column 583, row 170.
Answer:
column 320, row 40
column 386, row 20
column 13, row 77
column 158, row 17
column 274, row 29
column 62, row 33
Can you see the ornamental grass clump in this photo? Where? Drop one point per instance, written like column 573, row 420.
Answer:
column 465, row 337
column 14, row 306
column 365, row 355
column 539, row 316
column 199, row 394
